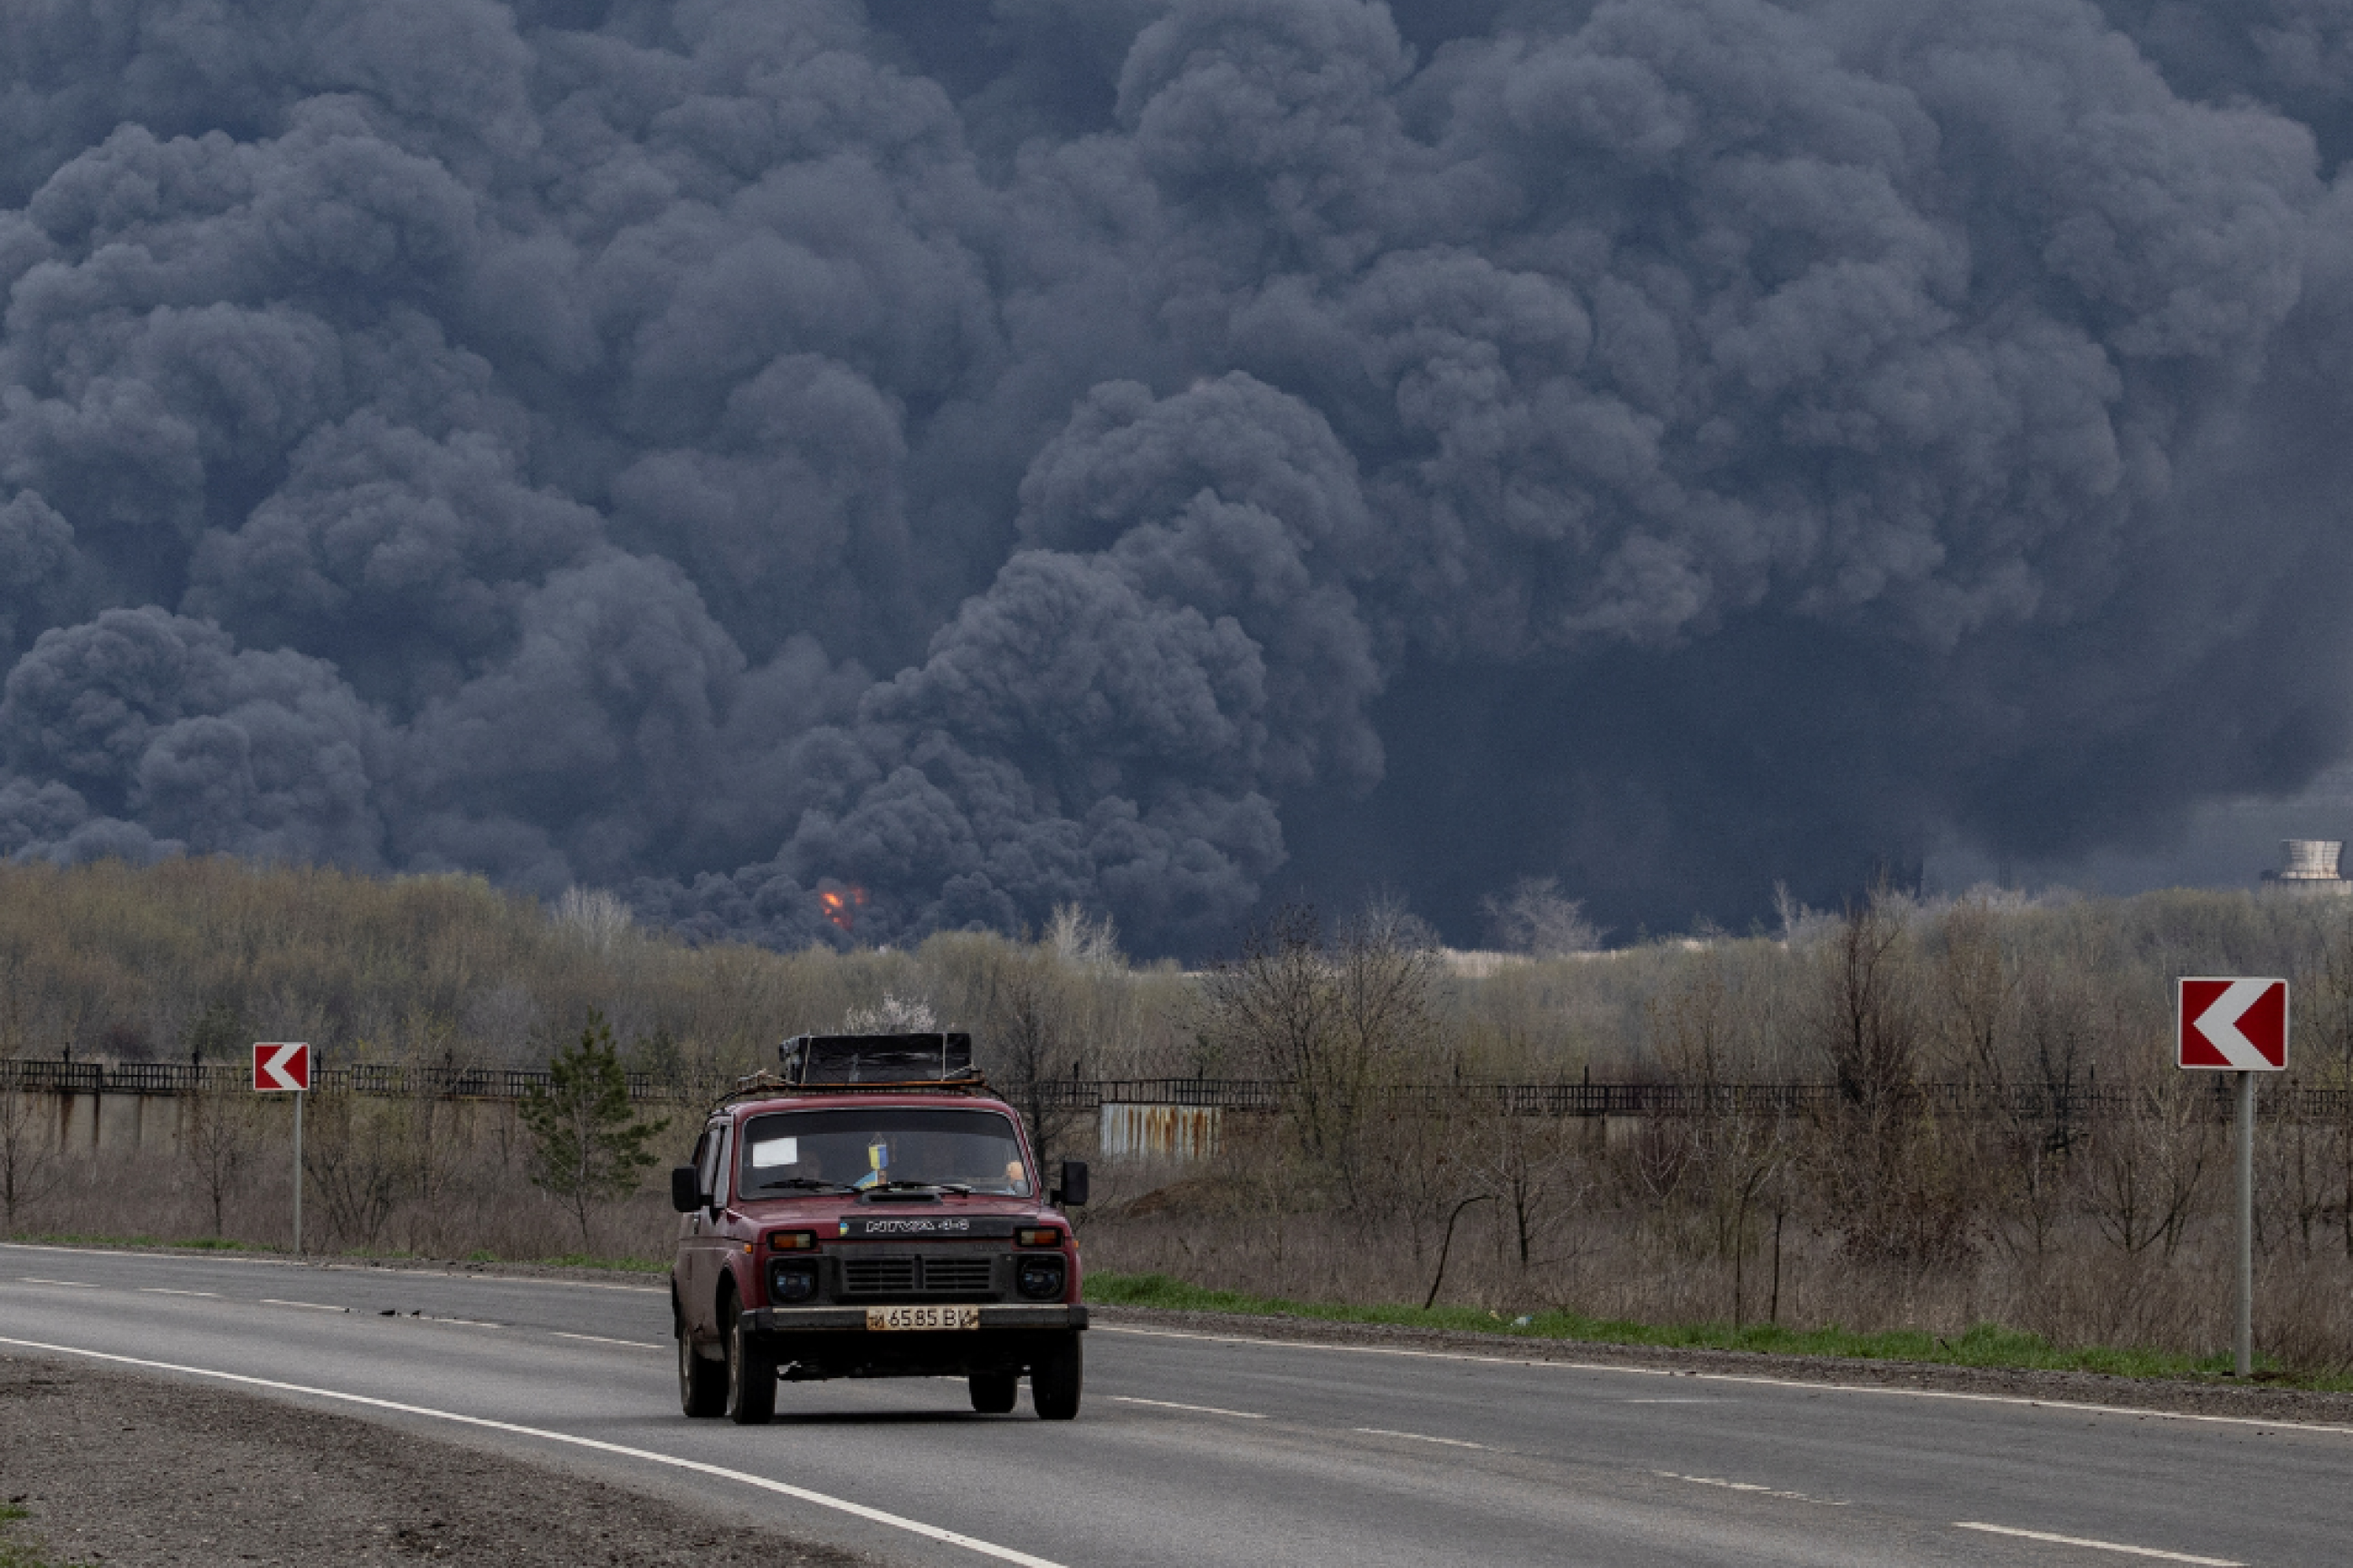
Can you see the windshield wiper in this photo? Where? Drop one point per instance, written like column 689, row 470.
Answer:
column 958, row 1188
column 808, row 1184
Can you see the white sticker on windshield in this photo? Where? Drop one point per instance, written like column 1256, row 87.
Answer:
column 775, row 1152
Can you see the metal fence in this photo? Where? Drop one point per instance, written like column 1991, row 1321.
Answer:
column 359, row 1078
column 1581, row 1098
column 1576, row 1098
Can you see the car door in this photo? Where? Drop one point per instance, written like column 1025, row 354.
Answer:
column 700, row 1251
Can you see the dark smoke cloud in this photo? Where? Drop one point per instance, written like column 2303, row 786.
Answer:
column 1170, row 453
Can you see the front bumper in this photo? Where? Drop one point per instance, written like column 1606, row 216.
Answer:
column 852, row 1319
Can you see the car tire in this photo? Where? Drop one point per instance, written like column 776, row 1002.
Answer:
column 702, row 1383
column 993, row 1393
column 751, row 1373
column 1056, row 1377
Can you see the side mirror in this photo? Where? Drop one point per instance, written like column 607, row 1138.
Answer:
column 684, row 1196
column 1073, row 1191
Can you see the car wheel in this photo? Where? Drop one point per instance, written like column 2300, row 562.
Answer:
column 751, row 1373
column 1055, row 1379
column 702, row 1383
column 993, row 1393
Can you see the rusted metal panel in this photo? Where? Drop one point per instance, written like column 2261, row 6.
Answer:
column 1181, row 1131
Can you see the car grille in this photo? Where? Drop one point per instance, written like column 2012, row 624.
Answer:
column 878, row 1275
column 961, row 1276
column 917, row 1276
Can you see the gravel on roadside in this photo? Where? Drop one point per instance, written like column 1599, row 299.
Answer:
column 2251, row 1402
column 128, row 1471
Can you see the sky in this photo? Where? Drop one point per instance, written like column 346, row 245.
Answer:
column 831, row 472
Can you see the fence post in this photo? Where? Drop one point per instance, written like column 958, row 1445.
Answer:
column 2242, row 1343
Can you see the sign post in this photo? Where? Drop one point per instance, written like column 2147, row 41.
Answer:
column 284, row 1068
column 2235, row 1025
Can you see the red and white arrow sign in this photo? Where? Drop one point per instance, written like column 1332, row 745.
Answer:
column 277, row 1067
column 2239, row 1025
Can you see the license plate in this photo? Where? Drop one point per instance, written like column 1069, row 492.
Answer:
column 922, row 1318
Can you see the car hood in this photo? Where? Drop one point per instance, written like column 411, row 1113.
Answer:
column 952, row 1219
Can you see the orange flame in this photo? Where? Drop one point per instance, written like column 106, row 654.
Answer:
column 838, row 905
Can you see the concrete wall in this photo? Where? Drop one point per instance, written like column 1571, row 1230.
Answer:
column 146, row 1123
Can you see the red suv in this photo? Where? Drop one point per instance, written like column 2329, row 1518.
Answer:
column 874, row 1212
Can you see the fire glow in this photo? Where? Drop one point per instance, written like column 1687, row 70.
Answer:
column 839, row 905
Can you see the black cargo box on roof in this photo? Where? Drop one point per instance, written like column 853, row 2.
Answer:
column 811, row 1059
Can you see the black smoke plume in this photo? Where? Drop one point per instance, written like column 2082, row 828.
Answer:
column 1166, row 456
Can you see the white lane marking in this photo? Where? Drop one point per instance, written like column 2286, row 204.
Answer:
column 633, row 1344
column 1750, row 1486
column 2086, row 1540
column 166, row 1290
column 1172, row 1405
column 1751, row 1379
column 461, row 1322
column 185, row 1255
column 208, row 1256
column 308, row 1306
column 843, row 1505
column 1419, row 1437
column 69, row 1284
column 1705, row 1400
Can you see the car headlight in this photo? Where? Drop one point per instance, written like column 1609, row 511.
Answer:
column 789, row 1282
column 1039, row 1278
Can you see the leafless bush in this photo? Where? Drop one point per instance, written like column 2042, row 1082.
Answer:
column 29, row 1163
column 217, row 1139
column 1332, row 1024
column 1534, row 918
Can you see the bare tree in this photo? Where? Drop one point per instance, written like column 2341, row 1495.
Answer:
column 2330, row 1004
column 1332, row 1024
column 2150, row 1159
column 30, row 1169
column 1728, row 1148
column 1896, row 1180
column 596, row 919
column 1530, row 1162
column 1036, row 1037
column 217, row 1139
column 1534, row 919
column 359, row 1157
column 1077, row 938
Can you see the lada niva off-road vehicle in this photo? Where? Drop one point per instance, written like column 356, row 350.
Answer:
column 873, row 1211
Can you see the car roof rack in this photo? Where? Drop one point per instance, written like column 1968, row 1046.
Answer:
column 933, row 1058
column 768, row 1086
column 935, row 1062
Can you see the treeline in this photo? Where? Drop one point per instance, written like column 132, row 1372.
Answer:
column 2003, row 1136
column 194, row 959
column 2002, row 1133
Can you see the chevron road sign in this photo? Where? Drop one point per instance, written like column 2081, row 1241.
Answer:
column 2233, row 1025
column 283, row 1067
column 280, row 1067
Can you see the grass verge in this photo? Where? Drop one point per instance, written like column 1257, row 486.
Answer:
column 16, row 1549
column 565, row 1260
column 76, row 1239
column 618, row 1265
column 1984, row 1345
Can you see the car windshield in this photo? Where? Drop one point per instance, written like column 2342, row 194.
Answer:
column 870, row 1146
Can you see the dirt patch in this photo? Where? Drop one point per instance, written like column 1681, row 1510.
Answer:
column 2075, row 1387
column 121, row 1469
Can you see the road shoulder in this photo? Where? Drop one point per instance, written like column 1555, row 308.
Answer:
column 2255, row 1402
column 248, row 1478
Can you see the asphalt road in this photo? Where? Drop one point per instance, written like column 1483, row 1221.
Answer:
column 1195, row 1450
